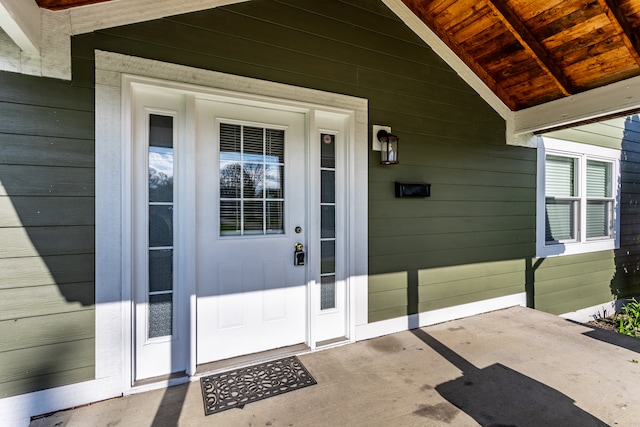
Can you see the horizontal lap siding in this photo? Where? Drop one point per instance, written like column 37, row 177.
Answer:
column 440, row 287
column 483, row 203
column 564, row 284
column 626, row 282
column 47, row 229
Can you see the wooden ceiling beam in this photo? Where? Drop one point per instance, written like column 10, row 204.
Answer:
column 531, row 45
column 471, row 63
column 425, row 15
column 620, row 22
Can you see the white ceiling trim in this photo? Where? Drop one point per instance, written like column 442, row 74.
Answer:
column 98, row 16
column 20, row 20
column 612, row 99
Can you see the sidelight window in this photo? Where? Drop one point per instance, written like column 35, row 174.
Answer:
column 328, row 221
column 161, row 220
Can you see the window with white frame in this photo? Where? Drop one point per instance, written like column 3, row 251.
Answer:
column 577, row 203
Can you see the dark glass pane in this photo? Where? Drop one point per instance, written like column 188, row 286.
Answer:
column 253, row 176
column 275, row 217
column 161, row 270
column 598, row 219
column 160, row 315
column 230, row 142
column 274, row 181
column 160, row 131
column 560, row 220
column 253, row 144
column 160, row 174
column 274, row 146
column 253, row 218
column 160, row 226
column 230, row 173
column 327, row 292
column 327, row 151
column 327, row 257
column 560, row 176
column 230, row 218
column 598, row 179
column 328, row 222
column 328, row 190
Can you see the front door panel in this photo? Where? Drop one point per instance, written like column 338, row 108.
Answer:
column 250, row 198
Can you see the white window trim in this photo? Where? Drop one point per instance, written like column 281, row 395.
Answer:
column 582, row 152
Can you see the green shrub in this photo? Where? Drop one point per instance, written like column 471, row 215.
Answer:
column 629, row 319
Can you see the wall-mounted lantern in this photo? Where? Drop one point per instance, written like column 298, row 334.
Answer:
column 387, row 143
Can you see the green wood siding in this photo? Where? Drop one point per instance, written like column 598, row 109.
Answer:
column 47, row 229
column 568, row 283
column 626, row 281
column 483, row 205
column 423, row 254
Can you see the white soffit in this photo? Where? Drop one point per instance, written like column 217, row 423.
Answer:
column 20, row 19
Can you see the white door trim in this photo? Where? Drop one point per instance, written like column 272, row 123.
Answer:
column 114, row 75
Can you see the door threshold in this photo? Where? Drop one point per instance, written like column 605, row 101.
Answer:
column 332, row 341
column 160, row 378
column 250, row 359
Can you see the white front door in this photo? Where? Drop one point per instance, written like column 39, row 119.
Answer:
column 251, row 211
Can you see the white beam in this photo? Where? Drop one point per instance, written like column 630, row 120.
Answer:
column 603, row 101
column 114, row 13
column 20, row 19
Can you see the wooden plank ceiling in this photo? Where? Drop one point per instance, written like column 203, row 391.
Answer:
column 528, row 52
column 533, row 51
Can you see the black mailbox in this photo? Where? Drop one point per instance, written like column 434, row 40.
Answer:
column 413, row 189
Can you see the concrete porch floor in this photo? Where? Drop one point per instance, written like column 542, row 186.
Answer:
column 513, row 367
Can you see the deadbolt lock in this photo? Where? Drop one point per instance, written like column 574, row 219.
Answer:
column 298, row 255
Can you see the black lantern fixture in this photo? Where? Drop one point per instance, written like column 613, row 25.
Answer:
column 389, row 147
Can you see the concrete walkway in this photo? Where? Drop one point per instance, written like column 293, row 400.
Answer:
column 514, row 367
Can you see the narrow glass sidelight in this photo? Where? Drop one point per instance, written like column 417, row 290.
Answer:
column 251, row 180
column 160, row 231
column 327, row 221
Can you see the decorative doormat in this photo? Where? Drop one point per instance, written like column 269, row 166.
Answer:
column 236, row 388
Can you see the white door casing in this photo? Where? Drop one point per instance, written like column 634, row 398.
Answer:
column 317, row 121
